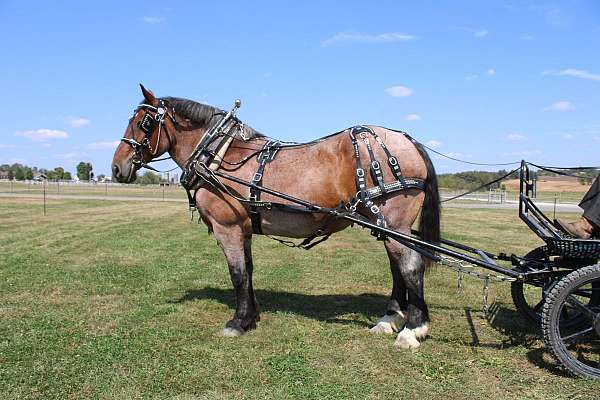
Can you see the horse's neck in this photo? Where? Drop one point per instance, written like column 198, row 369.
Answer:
column 184, row 142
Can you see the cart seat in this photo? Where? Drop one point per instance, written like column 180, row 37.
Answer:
column 576, row 248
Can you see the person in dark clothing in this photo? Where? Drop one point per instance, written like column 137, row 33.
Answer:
column 589, row 224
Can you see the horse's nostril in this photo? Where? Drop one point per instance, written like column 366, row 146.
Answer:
column 116, row 170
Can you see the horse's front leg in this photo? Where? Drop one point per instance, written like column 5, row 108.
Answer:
column 239, row 259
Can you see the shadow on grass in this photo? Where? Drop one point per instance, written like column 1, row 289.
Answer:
column 518, row 330
column 322, row 307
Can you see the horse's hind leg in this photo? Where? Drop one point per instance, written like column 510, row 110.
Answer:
column 394, row 318
column 412, row 270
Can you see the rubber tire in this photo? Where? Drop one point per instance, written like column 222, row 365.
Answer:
column 550, row 317
column 516, row 291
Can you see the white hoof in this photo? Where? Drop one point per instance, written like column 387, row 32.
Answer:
column 389, row 323
column 421, row 331
column 230, row 332
column 407, row 340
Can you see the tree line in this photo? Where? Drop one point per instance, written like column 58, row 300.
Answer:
column 470, row 180
column 21, row 172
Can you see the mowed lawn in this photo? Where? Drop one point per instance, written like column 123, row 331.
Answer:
column 120, row 300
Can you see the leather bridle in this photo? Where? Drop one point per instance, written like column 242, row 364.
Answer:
column 148, row 124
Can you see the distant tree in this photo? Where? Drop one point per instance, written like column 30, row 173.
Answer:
column 56, row 174
column 67, row 176
column 21, row 172
column 471, row 179
column 84, row 171
column 149, row 178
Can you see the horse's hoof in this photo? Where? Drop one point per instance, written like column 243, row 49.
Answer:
column 407, row 340
column 421, row 331
column 231, row 332
column 388, row 324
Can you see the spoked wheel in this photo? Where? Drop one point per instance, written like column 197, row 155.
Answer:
column 576, row 347
column 529, row 298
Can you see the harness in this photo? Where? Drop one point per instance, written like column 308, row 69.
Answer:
column 366, row 195
column 147, row 125
column 266, row 155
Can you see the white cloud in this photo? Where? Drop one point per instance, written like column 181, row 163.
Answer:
column 478, row 33
column 568, row 136
column 153, row 20
column 348, row 37
column 515, row 137
column 45, row 145
column 78, row 122
column 413, row 117
column 560, row 106
column 7, row 146
column 433, row 143
column 103, row 145
column 491, row 71
column 577, row 73
column 399, row 91
column 472, row 77
column 527, row 37
column 41, row 135
column 72, row 155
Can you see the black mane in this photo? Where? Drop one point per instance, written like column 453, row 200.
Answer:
column 192, row 110
column 200, row 113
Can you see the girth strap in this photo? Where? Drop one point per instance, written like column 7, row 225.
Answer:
column 267, row 154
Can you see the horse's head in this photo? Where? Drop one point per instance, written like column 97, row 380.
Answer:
column 145, row 138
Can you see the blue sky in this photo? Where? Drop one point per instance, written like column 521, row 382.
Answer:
column 483, row 81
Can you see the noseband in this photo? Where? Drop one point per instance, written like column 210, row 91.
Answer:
column 148, row 125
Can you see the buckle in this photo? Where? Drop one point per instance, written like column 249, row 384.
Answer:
column 360, row 172
column 257, row 177
column 393, row 161
column 375, row 165
column 375, row 209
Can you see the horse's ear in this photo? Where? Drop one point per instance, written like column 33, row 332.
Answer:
column 148, row 95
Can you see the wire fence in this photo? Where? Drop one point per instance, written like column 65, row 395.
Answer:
column 497, row 196
column 157, row 191
column 175, row 191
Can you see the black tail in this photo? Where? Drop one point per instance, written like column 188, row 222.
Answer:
column 430, row 212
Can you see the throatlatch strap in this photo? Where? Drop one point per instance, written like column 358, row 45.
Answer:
column 266, row 155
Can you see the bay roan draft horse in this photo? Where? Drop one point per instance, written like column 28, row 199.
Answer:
column 328, row 172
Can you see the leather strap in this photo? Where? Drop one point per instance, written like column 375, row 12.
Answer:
column 267, row 154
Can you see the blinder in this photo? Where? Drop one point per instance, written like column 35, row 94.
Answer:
column 147, row 124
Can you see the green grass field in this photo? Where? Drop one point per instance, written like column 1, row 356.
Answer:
column 120, row 300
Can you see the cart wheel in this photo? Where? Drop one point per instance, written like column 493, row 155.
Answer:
column 529, row 298
column 575, row 347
